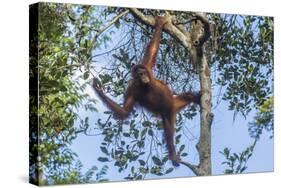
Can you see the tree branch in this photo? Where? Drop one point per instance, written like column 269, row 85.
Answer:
column 192, row 167
column 182, row 38
column 206, row 26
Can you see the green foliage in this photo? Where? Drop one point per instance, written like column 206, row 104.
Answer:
column 263, row 120
column 60, row 96
column 244, row 65
column 237, row 163
column 75, row 176
column 244, row 60
column 136, row 147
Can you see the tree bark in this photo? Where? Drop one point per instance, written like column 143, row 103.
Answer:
column 206, row 118
column 199, row 59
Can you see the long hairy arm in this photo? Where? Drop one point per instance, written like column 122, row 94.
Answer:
column 119, row 112
column 152, row 48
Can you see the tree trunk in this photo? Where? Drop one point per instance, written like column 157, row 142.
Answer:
column 206, row 117
column 201, row 65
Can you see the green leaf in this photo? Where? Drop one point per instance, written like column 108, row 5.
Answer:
column 86, row 75
column 156, row 161
column 126, row 134
column 136, row 134
column 64, row 73
column 169, row 170
column 142, row 162
column 117, row 24
column 228, row 171
column 139, row 177
column 181, row 148
column 178, row 138
column 53, row 83
column 63, row 88
column 243, row 169
column 238, row 168
column 143, row 132
column 150, row 132
column 226, row 152
column 104, row 150
column 232, row 159
column 143, row 170
column 184, row 154
column 146, row 123
column 107, row 112
column 103, row 159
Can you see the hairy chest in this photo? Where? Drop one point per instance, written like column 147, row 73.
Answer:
column 156, row 98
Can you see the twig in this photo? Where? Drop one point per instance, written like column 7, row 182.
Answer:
column 100, row 31
column 115, row 47
column 113, row 21
column 184, row 22
column 192, row 167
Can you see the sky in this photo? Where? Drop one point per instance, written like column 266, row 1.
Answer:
column 225, row 133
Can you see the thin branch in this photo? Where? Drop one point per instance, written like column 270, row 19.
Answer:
column 100, row 31
column 113, row 21
column 116, row 47
column 77, row 65
column 192, row 167
column 184, row 22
